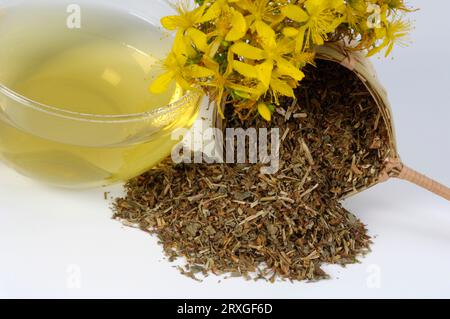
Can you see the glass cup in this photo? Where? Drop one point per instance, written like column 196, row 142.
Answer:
column 78, row 149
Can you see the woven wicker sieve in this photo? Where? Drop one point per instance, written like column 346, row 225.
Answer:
column 394, row 167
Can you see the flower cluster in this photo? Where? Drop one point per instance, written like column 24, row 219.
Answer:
column 251, row 52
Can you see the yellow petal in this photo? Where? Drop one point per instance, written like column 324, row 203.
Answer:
column 161, row 83
column 210, row 63
column 243, row 95
column 250, row 90
column 171, row 22
column 314, row 7
column 265, row 72
column 239, row 27
column 171, row 61
column 317, row 39
column 245, row 69
column 197, row 71
column 337, row 3
column 287, row 68
column 265, row 112
column 290, row 32
column 230, row 59
column 266, row 33
column 380, row 32
column 214, row 47
column 295, row 13
column 281, row 87
column 199, row 39
column 182, row 82
column 300, row 40
column 247, row 51
column 213, row 12
column 180, row 48
column 378, row 49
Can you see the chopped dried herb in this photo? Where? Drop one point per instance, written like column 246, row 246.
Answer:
column 344, row 129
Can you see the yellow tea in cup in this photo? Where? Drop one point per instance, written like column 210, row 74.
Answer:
column 75, row 109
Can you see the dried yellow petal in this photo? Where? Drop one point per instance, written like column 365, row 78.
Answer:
column 265, row 112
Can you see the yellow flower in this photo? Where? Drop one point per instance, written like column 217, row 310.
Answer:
column 353, row 12
column 397, row 5
column 392, row 34
column 280, row 86
column 176, row 68
column 272, row 53
column 279, row 83
column 253, row 51
column 230, row 26
column 173, row 66
column 316, row 22
column 259, row 11
column 216, row 9
column 185, row 22
column 187, row 17
column 220, row 82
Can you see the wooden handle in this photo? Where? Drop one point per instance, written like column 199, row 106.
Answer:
column 421, row 180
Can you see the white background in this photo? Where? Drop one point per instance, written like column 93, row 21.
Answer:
column 50, row 237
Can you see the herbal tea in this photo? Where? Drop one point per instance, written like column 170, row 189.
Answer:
column 67, row 94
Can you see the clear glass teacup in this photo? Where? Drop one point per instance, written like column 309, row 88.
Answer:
column 75, row 110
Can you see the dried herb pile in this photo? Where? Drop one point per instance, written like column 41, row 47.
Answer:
column 344, row 130
column 230, row 219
